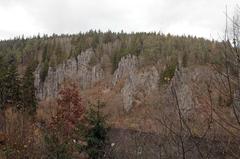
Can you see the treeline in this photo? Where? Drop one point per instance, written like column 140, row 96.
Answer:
column 53, row 50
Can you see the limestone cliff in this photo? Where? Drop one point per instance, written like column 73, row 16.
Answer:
column 189, row 86
column 77, row 69
column 137, row 83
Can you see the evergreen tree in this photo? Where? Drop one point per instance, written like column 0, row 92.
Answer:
column 59, row 53
column 95, row 41
column 56, row 149
column 2, row 82
column 94, row 132
column 44, row 70
column 12, row 82
column 28, row 90
column 185, row 59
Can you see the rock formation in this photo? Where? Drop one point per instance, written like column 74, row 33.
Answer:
column 138, row 82
column 77, row 69
column 190, row 84
column 138, row 85
column 127, row 66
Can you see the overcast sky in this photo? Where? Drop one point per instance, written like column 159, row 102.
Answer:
column 203, row 18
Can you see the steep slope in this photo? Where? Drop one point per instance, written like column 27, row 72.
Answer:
column 162, row 93
column 126, row 70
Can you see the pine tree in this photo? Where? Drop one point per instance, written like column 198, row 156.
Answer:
column 95, row 41
column 94, row 132
column 185, row 59
column 28, row 90
column 56, row 149
column 44, row 70
column 12, row 82
column 2, row 82
column 59, row 53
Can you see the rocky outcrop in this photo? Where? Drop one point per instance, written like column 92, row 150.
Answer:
column 137, row 83
column 77, row 69
column 186, row 85
column 127, row 66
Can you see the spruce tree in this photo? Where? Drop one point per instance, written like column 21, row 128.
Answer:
column 94, row 132
column 28, row 90
column 2, row 82
column 12, row 82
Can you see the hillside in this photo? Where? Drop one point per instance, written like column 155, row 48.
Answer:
column 153, row 86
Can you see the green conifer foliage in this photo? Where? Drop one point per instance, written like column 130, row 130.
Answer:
column 58, row 150
column 12, row 82
column 28, row 90
column 3, row 72
column 94, row 132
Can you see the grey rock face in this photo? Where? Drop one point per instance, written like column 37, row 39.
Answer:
column 187, row 83
column 128, row 65
column 180, row 84
column 77, row 69
column 138, row 83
